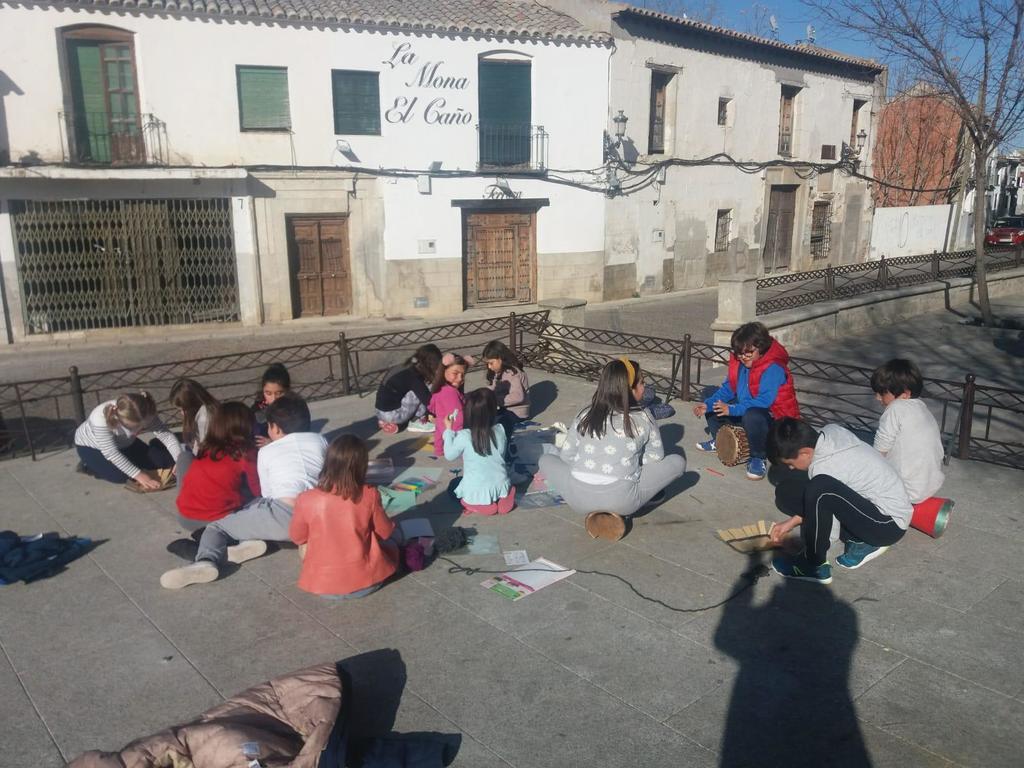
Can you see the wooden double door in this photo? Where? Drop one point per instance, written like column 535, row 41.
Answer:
column 500, row 257
column 778, row 241
column 320, row 261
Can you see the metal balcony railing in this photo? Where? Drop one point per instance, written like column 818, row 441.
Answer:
column 509, row 147
column 99, row 138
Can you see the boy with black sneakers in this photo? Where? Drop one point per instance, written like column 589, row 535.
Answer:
column 846, row 480
column 288, row 465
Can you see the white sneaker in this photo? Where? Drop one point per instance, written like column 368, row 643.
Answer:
column 419, row 426
column 200, row 572
column 249, row 549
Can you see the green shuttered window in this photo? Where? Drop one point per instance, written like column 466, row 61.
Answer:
column 505, row 112
column 356, row 102
column 263, row 99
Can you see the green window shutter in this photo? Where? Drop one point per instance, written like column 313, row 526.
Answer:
column 356, row 102
column 263, row 98
column 505, row 92
column 505, row 114
column 89, row 100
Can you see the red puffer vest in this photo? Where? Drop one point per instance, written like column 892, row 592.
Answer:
column 785, row 402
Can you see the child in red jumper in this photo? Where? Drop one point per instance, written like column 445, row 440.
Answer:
column 223, row 476
column 757, row 392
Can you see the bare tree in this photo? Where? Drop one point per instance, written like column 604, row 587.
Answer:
column 971, row 51
column 916, row 152
column 756, row 20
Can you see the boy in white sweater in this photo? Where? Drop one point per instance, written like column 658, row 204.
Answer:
column 908, row 435
column 847, row 480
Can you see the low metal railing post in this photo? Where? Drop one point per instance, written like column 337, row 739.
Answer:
column 684, row 374
column 512, row 341
column 883, row 273
column 935, row 265
column 77, row 397
column 966, row 418
column 830, row 282
column 346, row 382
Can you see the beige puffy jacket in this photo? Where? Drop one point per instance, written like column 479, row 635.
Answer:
column 290, row 717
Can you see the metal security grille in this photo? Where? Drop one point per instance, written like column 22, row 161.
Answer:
column 87, row 264
column 821, row 230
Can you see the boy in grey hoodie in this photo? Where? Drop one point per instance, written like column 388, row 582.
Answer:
column 846, row 480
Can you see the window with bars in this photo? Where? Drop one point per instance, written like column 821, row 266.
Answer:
column 263, row 98
column 659, row 106
column 723, row 111
column 787, row 108
column 356, row 102
column 821, row 230
column 828, row 151
column 722, row 226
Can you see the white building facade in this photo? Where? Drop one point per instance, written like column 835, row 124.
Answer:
column 691, row 91
column 179, row 164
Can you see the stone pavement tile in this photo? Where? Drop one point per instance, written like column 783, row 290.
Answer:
column 80, row 603
column 965, row 723
column 889, row 751
column 654, row 578
column 765, row 629
column 279, row 649
column 980, row 549
column 101, row 697
column 946, row 638
column 634, row 659
column 1003, row 606
column 26, row 740
column 414, row 715
column 528, row 709
column 402, row 609
column 940, row 580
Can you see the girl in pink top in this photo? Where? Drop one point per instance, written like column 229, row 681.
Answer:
column 448, row 396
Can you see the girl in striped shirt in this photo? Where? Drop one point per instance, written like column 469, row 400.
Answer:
column 110, row 449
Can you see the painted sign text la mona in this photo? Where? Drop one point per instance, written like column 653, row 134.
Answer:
column 426, row 75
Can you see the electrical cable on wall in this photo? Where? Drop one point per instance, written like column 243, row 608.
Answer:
column 638, row 175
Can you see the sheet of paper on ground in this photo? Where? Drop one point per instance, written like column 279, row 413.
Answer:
column 517, row 584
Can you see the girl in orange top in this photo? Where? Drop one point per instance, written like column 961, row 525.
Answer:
column 343, row 524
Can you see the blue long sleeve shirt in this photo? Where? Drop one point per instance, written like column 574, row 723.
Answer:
column 772, row 379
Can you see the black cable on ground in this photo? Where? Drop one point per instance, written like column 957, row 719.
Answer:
column 752, row 576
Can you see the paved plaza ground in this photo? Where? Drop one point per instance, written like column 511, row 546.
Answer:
column 913, row 660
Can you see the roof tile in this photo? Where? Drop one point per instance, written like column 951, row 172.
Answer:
column 502, row 18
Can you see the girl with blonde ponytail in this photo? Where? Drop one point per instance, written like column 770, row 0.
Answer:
column 109, row 447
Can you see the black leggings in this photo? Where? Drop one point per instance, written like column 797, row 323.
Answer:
column 153, row 455
column 820, row 500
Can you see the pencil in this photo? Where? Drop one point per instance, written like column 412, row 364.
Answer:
column 714, row 471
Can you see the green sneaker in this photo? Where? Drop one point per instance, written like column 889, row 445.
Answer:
column 799, row 567
column 857, row 554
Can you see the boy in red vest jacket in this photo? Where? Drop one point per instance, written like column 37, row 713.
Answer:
column 757, row 391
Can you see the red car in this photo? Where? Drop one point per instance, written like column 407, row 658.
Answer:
column 1007, row 231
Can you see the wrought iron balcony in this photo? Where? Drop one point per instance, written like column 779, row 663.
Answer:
column 512, row 147
column 785, row 143
column 98, row 138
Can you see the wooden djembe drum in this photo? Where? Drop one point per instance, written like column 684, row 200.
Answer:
column 732, row 445
column 605, row 525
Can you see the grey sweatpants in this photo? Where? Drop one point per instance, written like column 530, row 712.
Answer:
column 623, row 497
column 266, row 519
column 410, row 408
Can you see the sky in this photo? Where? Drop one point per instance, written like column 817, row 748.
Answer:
column 748, row 16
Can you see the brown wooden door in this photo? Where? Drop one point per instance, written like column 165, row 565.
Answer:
column 319, row 255
column 500, row 258
column 778, row 242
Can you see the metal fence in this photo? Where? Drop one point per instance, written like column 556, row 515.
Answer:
column 798, row 289
column 980, row 422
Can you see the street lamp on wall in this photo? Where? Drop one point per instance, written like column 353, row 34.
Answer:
column 620, row 121
column 862, row 137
